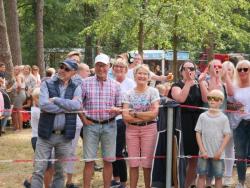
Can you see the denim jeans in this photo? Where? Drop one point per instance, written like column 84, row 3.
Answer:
column 216, row 168
column 43, row 152
column 99, row 133
column 241, row 141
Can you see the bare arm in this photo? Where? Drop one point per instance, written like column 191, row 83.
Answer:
column 229, row 85
column 127, row 116
column 222, row 147
column 203, row 87
column 180, row 95
column 148, row 115
column 201, row 146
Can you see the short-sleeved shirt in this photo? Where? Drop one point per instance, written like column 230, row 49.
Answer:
column 242, row 95
column 35, row 115
column 141, row 102
column 126, row 85
column 213, row 130
column 100, row 96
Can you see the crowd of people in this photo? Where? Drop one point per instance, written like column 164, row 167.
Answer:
column 117, row 109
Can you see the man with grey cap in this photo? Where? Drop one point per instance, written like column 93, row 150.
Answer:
column 59, row 98
column 101, row 101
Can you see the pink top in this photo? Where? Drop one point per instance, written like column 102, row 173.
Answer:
column 1, row 104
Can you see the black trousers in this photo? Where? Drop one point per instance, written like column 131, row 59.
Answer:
column 119, row 166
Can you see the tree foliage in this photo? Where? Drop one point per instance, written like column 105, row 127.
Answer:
column 114, row 25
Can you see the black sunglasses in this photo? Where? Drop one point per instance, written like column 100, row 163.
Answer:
column 64, row 68
column 188, row 68
column 242, row 69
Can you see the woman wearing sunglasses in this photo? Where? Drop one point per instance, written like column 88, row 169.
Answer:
column 187, row 91
column 241, row 133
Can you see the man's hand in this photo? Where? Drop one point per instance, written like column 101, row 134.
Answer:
column 116, row 110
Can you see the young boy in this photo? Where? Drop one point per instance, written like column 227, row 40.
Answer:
column 212, row 135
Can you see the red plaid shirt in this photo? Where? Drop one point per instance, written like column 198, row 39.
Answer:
column 99, row 96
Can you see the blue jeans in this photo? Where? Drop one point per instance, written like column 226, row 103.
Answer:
column 214, row 167
column 4, row 121
column 104, row 133
column 241, row 141
column 43, row 152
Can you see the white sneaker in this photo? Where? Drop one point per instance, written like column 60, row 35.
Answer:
column 227, row 181
column 239, row 185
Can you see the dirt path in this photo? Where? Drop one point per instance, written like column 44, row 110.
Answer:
column 16, row 146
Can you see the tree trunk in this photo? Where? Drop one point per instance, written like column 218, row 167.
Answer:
column 210, row 44
column 89, row 16
column 88, row 56
column 5, row 54
column 13, row 31
column 39, row 37
column 141, row 33
column 141, row 38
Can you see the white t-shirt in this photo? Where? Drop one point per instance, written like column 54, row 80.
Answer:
column 35, row 115
column 213, row 130
column 242, row 95
column 126, row 85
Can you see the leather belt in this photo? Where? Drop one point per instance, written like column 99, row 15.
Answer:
column 143, row 123
column 101, row 121
column 58, row 132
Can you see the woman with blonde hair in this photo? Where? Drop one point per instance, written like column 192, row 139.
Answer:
column 241, row 132
column 18, row 90
column 36, row 75
column 120, row 69
column 229, row 71
column 141, row 106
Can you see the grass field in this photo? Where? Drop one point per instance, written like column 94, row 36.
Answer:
column 17, row 146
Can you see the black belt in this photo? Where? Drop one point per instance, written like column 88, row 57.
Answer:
column 58, row 132
column 143, row 123
column 101, row 121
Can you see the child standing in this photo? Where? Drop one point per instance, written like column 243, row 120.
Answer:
column 212, row 135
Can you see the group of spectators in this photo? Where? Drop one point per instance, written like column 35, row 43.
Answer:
column 233, row 84
column 117, row 109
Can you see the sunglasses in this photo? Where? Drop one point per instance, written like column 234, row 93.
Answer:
column 242, row 69
column 64, row 68
column 214, row 98
column 218, row 66
column 188, row 68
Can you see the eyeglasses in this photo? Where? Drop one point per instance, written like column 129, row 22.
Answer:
column 118, row 66
column 242, row 69
column 218, row 66
column 188, row 68
column 64, row 68
column 214, row 98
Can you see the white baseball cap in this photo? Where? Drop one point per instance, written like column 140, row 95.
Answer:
column 102, row 58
